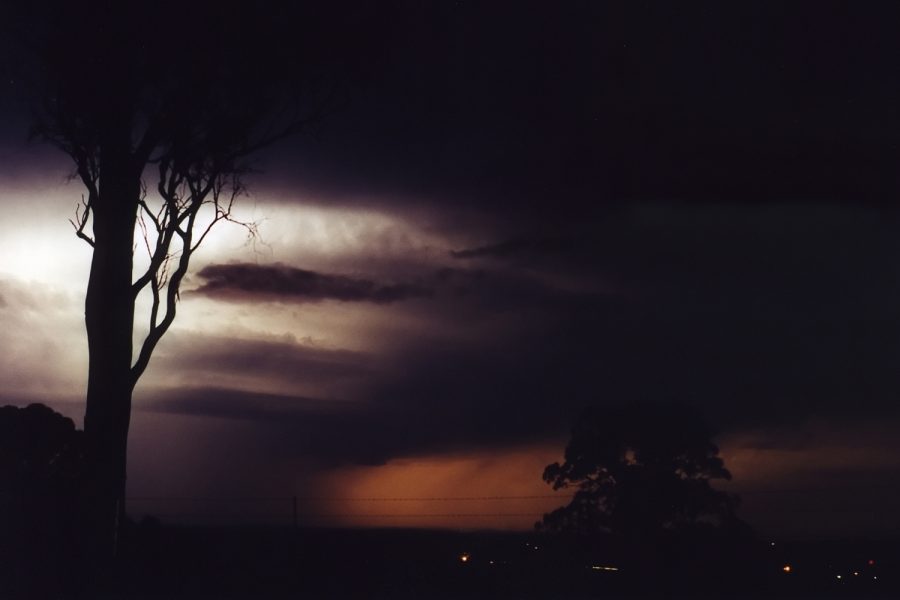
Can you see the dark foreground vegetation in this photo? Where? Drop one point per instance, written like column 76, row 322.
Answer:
column 166, row 561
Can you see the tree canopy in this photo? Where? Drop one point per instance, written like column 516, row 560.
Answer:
column 39, row 449
column 41, row 462
column 638, row 472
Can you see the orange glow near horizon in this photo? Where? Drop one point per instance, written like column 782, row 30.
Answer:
column 500, row 489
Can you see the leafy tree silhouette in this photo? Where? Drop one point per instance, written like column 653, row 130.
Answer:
column 642, row 478
column 40, row 450
column 41, row 461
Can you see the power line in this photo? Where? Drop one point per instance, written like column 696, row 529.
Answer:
column 344, row 498
column 820, row 489
column 362, row 515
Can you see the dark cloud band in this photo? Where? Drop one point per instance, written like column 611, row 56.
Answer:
column 246, row 281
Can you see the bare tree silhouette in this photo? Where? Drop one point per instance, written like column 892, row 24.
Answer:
column 159, row 107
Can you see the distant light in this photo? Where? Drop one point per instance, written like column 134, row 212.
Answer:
column 838, row 576
column 856, row 573
column 871, row 562
column 786, row 568
column 875, row 577
column 772, row 544
column 464, row 557
column 604, row 568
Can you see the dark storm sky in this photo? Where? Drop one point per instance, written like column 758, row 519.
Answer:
column 714, row 183
column 586, row 203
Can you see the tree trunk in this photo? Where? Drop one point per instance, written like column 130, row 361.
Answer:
column 109, row 319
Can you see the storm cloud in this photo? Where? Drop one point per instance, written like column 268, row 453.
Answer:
column 759, row 316
column 268, row 358
column 248, row 281
column 518, row 248
column 603, row 205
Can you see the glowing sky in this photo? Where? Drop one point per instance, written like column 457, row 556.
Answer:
column 497, row 230
column 459, row 388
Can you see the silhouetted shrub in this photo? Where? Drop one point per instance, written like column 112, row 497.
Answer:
column 41, row 458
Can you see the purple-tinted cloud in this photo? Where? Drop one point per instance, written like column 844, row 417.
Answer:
column 263, row 358
column 245, row 281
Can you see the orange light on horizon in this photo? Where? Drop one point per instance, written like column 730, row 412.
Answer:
column 787, row 568
column 497, row 489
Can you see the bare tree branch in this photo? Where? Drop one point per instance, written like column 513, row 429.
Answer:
column 81, row 220
column 183, row 194
column 172, row 294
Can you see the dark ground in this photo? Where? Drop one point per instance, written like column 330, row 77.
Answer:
column 159, row 562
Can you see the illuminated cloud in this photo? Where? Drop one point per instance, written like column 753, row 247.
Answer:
column 281, row 365
column 44, row 353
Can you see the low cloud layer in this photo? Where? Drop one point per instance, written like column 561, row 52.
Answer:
column 262, row 363
column 273, row 282
column 519, row 248
column 497, row 289
column 234, row 404
column 759, row 316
